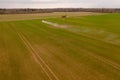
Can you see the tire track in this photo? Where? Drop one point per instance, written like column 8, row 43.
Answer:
column 47, row 70
column 107, row 61
column 100, row 58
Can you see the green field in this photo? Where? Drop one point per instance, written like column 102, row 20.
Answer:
column 84, row 48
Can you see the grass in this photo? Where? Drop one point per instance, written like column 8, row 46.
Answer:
column 104, row 28
column 71, row 53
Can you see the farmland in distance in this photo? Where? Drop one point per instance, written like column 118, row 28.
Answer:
column 82, row 48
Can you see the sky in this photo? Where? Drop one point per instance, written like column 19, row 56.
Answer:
column 59, row 3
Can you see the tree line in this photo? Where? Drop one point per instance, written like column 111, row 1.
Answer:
column 26, row 11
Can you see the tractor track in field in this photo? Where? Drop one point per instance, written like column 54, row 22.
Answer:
column 100, row 58
column 47, row 70
column 107, row 61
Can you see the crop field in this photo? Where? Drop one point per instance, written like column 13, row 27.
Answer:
column 17, row 17
column 73, row 48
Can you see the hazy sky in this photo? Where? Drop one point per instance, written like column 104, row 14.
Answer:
column 59, row 3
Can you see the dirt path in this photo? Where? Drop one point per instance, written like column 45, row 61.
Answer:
column 47, row 70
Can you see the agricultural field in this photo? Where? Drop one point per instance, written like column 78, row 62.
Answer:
column 54, row 48
column 17, row 17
